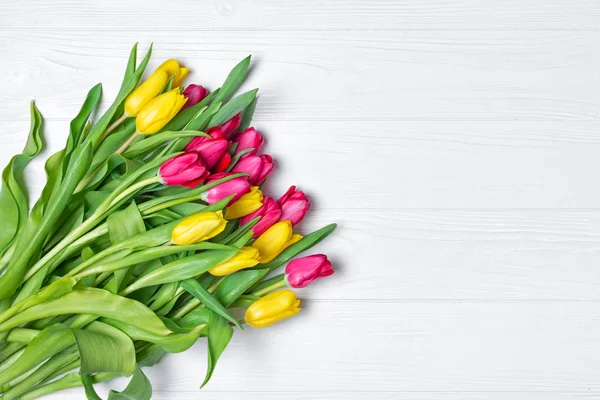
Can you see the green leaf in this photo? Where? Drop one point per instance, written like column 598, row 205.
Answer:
column 305, row 243
column 139, row 388
column 50, row 292
column 234, row 285
column 32, row 239
column 181, row 269
column 235, row 106
column 233, row 81
column 48, row 342
column 219, row 335
column 150, row 355
column 148, row 255
column 103, row 348
column 193, row 287
column 14, row 206
column 122, row 225
column 89, row 105
column 196, row 317
column 247, row 115
column 92, row 301
column 172, row 343
column 125, row 223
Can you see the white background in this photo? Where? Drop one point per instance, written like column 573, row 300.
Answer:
column 456, row 142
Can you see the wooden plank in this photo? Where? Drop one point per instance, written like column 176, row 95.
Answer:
column 321, row 76
column 308, row 14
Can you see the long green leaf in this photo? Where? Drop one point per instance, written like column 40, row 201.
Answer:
column 103, row 348
column 139, row 388
column 193, row 287
column 219, row 335
column 92, row 301
column 235, row 106
column 14, row 207
column 233, row 81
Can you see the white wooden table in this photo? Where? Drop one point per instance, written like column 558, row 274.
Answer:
column 457, row 143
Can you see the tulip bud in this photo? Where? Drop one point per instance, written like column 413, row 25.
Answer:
column 172, row 67
column 185, row 169
column 159, row 111
column 272, row 308
column 249, row 139
column 269, row 213
column 294, row 205
column 274, row 240
column 257, row 168
column 247, row 204
column 301, row 272
column 247, row 258
column 209, row 150
column 230, row 126
column 198, row 228
column 237, row 186
column 144, row 93
column 194, row 95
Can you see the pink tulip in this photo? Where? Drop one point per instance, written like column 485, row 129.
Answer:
column 237, row 186
column 194, row 94
column 230, row 126
column 301, row 272
column 216, row 133
column 269, row 213
column 294, row 205
column 210, row 151
column 249, row 139
column 223, row 163
column 257, row 168
column 185, row 170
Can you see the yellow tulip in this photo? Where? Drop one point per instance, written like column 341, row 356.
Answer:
column 272, row 308
column 247, row 204
column 145, row 93
column 172, row 67
column 274, row 240
column 247, row 258
column 159, row 111
column 198, row 227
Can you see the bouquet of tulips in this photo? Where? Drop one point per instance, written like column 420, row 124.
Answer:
column 150, row 233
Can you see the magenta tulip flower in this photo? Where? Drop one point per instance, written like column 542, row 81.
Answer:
column 237, row 186
column 294, row 205
column 194, row 95
column 249, row 139
column 269, row 213
column 231, row 126
column 184, row 170
column 301, row 272
column 210, row 151
column 257, row 168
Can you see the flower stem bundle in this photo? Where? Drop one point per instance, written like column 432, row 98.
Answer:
column 151, row 232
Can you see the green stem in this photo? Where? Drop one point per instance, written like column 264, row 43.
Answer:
column 66, row 382
column 113, row 126
column 278, row 283
column 88, row 224
column 125, row 145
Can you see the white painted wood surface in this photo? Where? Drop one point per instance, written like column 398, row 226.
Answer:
column 457, row 143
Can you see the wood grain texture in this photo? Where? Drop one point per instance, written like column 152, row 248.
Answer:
column 455, row 142
column 283, row 15
column 324, row 76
